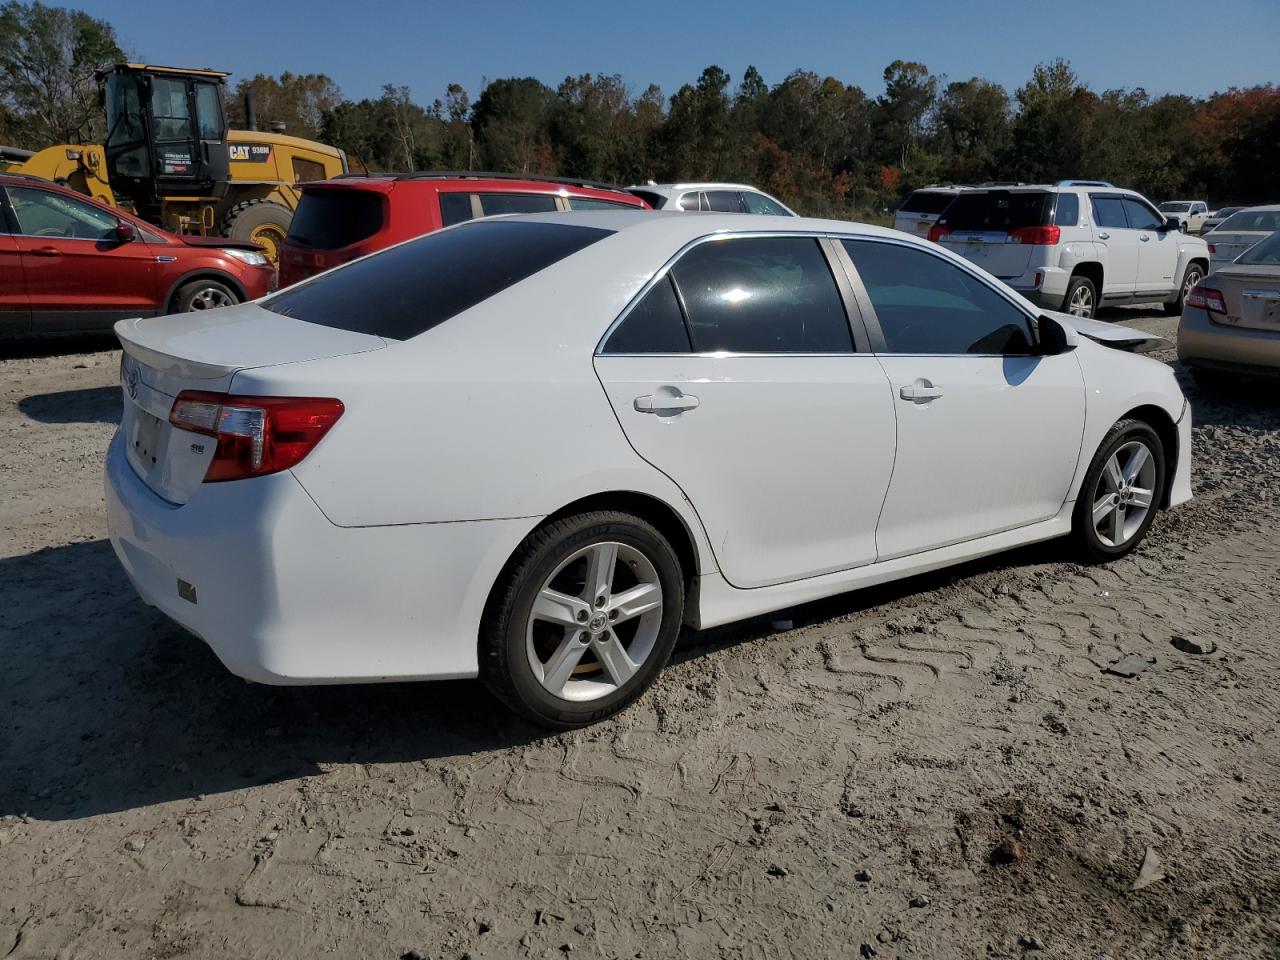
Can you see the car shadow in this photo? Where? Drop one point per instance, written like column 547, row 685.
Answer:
column 54, row 346
column 88, row 405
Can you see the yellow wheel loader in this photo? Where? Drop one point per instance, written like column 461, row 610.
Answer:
column 169, row 157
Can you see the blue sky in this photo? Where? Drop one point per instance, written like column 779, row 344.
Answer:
column 1156, row 44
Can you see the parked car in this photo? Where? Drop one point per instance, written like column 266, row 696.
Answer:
column 1190, row 214
column 1239, row 232
column 1231, row 322
column 1075, row 245
column 347, row 217
column 368, row 477
column 1216, row 217
column 713, row 197
column 69, row 264
column 921, row 209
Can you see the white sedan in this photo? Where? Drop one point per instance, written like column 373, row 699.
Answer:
column 530, row 448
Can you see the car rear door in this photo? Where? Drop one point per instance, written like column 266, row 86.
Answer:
column 79, row 275
column 1157, row 249
column 1118, row 244
column 15, row 306
column 988, row 433
column 736, row 374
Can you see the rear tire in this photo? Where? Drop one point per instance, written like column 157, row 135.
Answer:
column 583, row 654
column 1121, row 492
column 1081, row 299
column 203, row 295
column 1193, row 275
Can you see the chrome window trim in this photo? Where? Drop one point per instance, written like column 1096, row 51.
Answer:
column 662, row 271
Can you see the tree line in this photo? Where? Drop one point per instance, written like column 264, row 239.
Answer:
column 823, row 146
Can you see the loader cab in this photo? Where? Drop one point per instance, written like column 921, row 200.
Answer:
column 166, row 132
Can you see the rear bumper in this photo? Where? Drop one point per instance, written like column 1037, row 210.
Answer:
column 283, row 596
column 1203, row 343
column 1051, row 290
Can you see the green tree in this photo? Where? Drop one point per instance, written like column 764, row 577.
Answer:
column 902, row 112
column 510, row 121
column 48, row 57
column 973, row 129
column 299, row 101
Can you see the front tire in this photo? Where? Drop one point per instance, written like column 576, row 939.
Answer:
column 1194, row 274
column 203, row 295
column 584, row 618
column 1120, row 493
column 1081, row 299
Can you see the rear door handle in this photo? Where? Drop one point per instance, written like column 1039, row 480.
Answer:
column 922, row 391
column 666, row 403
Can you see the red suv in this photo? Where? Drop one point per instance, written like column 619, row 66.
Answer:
column 344, row 218
column 69, row 264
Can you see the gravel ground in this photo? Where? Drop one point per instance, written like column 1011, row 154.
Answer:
column 938, row 768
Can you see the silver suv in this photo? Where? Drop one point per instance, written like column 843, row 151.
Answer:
column 719, row 197
column 1075, row 245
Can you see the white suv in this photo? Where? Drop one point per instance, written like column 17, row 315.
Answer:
column 720, row 197
column 1075, row 245
column 921, row 210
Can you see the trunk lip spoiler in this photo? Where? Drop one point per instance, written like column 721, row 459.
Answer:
column 1114, row 335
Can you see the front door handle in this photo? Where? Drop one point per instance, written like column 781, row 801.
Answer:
column 1144, row 238
column 46, row 252
column 1104, row 236
column 670, row 401
column 922, row 391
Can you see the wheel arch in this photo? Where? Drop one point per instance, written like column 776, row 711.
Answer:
column 203, row 273
column 1159, row 420
column 1091, row 270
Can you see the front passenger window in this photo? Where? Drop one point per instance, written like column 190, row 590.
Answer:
column 43, row 213
column 1141, row 217
column 928, row 305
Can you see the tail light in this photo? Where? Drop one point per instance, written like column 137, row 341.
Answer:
column 937, row 232
column 1212, row 248
column 1037, row 236
column 1206, row 298
column 256, row 435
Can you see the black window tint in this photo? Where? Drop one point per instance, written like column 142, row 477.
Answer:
column 759, row 203
column 762, row 295
column 927, row 305
column 927, row 201
column 407, row 289
column 725, row 201
column 1067, row 213
column 1109, row 212
column 655, row 325
column 329, row 219
column 591, row 203
column 997, row 210
column 690, row 202
column 1141, row 217
column 495, row 203
column 455, row 208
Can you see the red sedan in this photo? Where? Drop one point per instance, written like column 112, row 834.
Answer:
column 71, row 265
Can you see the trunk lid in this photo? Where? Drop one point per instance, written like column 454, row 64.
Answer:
column 1252, row 295
column 1228, row 246
column 204, row 350
column 1114, row 335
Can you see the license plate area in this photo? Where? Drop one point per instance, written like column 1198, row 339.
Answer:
column 1260, row 309
column 144, row 438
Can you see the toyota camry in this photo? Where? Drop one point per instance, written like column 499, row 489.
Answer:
column 530, row 448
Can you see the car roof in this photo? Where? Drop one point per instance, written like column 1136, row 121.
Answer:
column 699, row 185
column 684, row 226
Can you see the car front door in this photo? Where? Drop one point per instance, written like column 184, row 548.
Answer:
column 80, row 275
column 1119, row 245
column 15, row 306
column 989, row 432
column 737, row 373
column 1157, row 249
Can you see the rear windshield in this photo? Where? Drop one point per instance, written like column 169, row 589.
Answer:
column 1264, row 253
column 655, row 200
column 329, row 219
column 1267, row 220
column 927, row 201
column 408, row 289
column 1174, row 207
column 998, row 210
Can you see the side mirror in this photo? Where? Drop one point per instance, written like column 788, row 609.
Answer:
column 1171, row 223
column 1053, row 338
column 126, row 232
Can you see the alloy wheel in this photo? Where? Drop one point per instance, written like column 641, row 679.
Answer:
column 210, row 298
column 594, row 622
column 1081, row 303
column 1194, row 276
column 1124, row 494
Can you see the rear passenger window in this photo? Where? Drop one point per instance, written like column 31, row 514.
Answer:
column 1067, row 212
column 762, row 295
column 654, row 325
column 1109, row 212
column 495, row 203
column 455, row 208
column 690, row 202
column 725, row 201
column 927, row 305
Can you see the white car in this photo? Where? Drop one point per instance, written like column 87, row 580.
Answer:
column 528, row 448
column 922, row 208
column 1190, row 214
column 1239, row 232
column 1076, row 245
column 710, row 197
